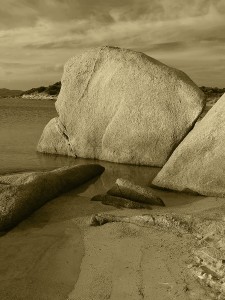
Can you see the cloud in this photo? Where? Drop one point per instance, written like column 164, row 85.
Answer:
column 51, row 68
column 178, row 32
column 152, row 24
column 14, row 14
column 17, row 65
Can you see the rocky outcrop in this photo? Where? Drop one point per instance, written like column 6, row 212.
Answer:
column 182, row 224
column 125, row 193
column 126, row 189
column 198, row 163
column 21, row 195
column 122, row 106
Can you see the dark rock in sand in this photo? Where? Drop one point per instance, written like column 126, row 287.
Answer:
column 20, row 196
column 126, row 189
column 120, row 202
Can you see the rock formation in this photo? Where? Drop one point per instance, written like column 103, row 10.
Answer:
column 126, row 189
column 22, row 194
column 122, row 106
column 198, row 163
column 181, row 224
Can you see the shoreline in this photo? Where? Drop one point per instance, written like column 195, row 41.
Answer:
column 40, row 258
column 55, row 254
column 211, row 98
column 39, row 96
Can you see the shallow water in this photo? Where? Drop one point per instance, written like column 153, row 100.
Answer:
column 21, row 124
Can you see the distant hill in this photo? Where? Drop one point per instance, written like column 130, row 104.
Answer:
column 5, row 93
column 51, row 90
column 212, row 94
column 212, row 90
column 54, row 90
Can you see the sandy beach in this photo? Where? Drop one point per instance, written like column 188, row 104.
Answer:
column 41, row 257
column 55, row 254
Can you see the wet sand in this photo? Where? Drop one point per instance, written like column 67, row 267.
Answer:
column 55, row 254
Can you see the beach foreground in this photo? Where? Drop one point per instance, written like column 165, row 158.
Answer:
column 56, row 254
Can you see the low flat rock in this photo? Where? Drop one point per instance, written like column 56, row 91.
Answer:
column 126, row 189
column 20, row 196
column 122, row 106
column 198, row 163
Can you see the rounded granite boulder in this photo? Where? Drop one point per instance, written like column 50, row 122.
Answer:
column 122, row 106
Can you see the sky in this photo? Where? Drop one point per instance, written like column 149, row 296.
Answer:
column 38, row 36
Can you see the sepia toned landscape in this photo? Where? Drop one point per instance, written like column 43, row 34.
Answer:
column 112, row 180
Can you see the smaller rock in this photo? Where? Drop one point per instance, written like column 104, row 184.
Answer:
column 128, row 190
column 120, row 202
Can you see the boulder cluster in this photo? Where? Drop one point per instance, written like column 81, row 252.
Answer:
column 126, row 107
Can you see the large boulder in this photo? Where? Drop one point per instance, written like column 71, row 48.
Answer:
column 122, row 106
column 198, row 163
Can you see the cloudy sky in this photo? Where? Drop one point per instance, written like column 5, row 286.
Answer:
column 38, row 36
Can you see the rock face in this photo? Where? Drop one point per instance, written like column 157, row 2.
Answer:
column 54, row 139
column 21, row 195
column 122, row 106
column 198, row 163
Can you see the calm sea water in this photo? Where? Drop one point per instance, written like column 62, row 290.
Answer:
column 21, row 124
